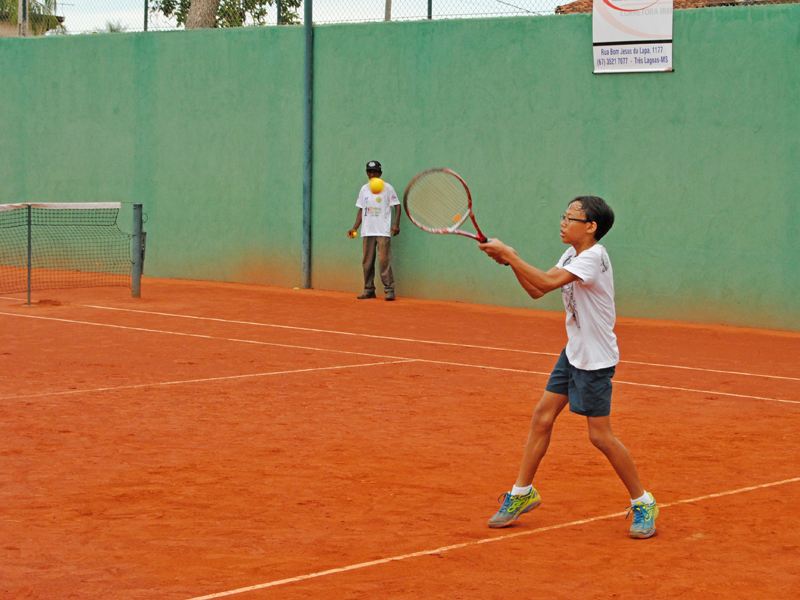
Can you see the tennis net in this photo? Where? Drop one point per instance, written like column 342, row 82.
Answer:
column 56, row 246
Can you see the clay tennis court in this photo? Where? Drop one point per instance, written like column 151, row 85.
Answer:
column 228, row 441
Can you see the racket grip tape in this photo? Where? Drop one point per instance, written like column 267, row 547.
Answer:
column 485, row 239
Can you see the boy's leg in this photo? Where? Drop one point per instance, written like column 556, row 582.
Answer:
column 603, row 438
column 549, row 407
column 645, row 510
column 544, row 416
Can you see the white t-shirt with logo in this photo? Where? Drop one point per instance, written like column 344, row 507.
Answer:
column 589, row 302
column 376, row 215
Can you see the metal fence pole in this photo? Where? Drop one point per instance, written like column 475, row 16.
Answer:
column 146, row 10
column 30, row 251
column 278, row 5
column 308, row 106
column 137, row 252
column 22, row 17
column 430, row 9
column 387, row 15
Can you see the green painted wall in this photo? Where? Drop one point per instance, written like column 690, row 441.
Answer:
column 205, row 128
column 702, row 166
column 202, row 127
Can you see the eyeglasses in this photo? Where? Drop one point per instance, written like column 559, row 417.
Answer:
column 566, row 218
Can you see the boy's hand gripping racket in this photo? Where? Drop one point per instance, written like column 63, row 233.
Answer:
column 438, row 201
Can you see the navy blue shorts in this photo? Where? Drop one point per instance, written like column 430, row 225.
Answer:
column 589, row 391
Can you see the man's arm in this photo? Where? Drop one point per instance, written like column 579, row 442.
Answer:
column 534, row 281
column 357, row 225
column 396, row 225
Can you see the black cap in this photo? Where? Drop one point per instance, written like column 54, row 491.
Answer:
column 374, row 165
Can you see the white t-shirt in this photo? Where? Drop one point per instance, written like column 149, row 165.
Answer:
column 591, row 315
column 376, row 214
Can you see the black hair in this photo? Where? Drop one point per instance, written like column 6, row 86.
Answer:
column 596, row 211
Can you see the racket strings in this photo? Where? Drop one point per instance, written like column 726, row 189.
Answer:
column 438, row 200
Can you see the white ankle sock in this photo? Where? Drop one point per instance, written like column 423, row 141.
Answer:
column 520, row 491
column 645, row 499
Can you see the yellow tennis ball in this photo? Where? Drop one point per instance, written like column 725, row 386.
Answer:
column 376, row 185
column 352, row 235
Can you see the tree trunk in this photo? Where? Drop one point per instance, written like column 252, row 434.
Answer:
column 202, row 14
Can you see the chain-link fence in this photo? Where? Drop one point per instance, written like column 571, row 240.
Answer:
column 53, row 17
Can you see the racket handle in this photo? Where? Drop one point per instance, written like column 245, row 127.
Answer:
column 485, row 239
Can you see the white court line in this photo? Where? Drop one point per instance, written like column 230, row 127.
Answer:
column 185, row 381
column 198, row 335
column 680, row 389
column 663, row 387
column 382, row 561
column 417, row 341
column 398, row 358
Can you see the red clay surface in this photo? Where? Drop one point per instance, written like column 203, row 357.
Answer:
column 154, row 456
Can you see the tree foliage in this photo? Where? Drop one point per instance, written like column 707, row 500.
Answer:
column 41, row 16
column 231, row 13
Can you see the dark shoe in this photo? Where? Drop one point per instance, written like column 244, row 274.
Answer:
column 366, row 296
column 390, row 297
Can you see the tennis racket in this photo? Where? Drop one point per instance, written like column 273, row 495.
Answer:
column 438, row 201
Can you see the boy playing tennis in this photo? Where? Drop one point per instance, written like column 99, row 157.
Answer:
column 582, row 375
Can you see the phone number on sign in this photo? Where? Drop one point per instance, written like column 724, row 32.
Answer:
column 608, row 62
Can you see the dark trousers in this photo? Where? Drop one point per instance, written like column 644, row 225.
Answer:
column 384, row 248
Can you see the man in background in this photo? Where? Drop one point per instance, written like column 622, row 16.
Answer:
column 375, row 202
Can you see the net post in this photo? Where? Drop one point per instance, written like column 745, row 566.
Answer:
column 137, row 250
column 30, row 251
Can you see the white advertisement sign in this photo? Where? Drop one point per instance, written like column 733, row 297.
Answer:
column 632, row 36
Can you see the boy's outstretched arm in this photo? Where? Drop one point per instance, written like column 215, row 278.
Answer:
column 534, row 281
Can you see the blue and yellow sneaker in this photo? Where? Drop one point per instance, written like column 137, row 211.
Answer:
column 644, row 519
column 513, row 507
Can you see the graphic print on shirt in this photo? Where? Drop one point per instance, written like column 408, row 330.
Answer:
column 604, row 261
column 569, row 297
